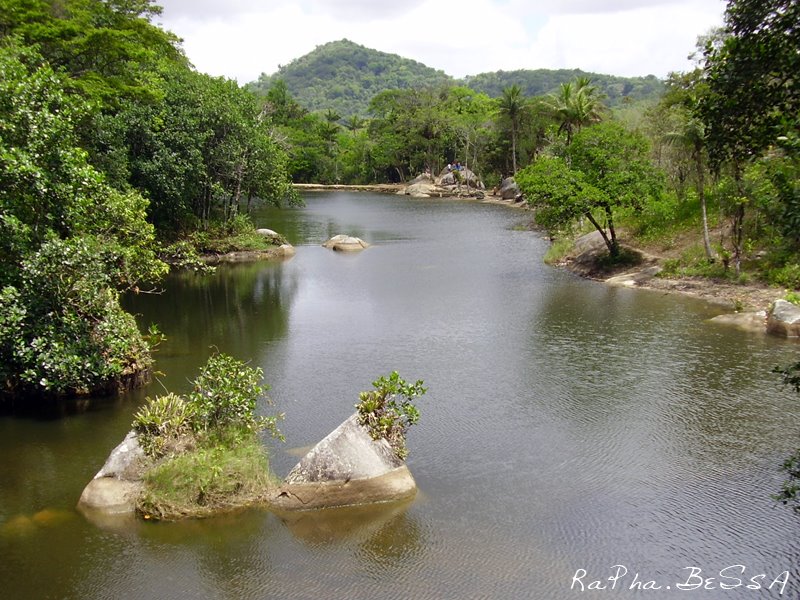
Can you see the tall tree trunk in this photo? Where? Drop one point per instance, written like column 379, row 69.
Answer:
column 701, row 194
column 514, row 149
column 610, row 220
column 611, row 244
column 738, row 221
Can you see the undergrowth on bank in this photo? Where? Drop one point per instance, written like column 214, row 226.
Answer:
column 204, row 449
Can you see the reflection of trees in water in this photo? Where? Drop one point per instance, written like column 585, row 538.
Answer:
column 236, row 308
column 616, row 355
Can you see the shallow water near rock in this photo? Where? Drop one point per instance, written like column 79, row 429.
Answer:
column 568, row 425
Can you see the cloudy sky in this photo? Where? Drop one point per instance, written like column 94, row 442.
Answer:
column 243, row 38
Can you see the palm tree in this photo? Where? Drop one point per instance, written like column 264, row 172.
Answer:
column 691, row 135
column 354, row 123
column 512, row 106
column 576, row 105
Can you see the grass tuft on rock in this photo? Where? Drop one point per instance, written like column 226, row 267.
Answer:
column 221, row 473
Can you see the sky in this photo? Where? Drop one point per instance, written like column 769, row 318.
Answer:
column 241, row 39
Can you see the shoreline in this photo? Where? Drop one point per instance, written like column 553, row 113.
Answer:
column 748, row 298
column 386, row 188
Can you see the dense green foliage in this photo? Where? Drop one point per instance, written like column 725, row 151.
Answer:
column 725, row 139
column 70, row 244
column 344, row 77
column 204, row 448
column 224, row 397
column 388, row 410
column 541, row 82
column 199, row 153
column 110, row 143
column 605, row 167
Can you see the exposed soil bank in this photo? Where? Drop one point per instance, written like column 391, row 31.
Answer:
column 584, row 260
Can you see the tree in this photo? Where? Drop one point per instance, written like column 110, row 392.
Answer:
column 685, row 93
column 200, row 151
column 107, row 49
column 753, row 99
column 754, row 91
column 606, row 167
column 70, row 244
column 511, row 107
column 575, row 106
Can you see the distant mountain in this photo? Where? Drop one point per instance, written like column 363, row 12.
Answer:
column 547, row 81
column 344, row 76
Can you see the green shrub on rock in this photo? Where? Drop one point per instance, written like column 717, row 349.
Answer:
column 204, row 448
column 388, row 410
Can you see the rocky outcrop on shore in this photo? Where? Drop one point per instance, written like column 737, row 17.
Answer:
column 448, row 184
column 784, row 319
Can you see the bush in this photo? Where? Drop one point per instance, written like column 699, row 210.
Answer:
column 787, row 276
column 205, row 450
column 388, row 410
column 164, row 422
column 62, row 329
column 225, row 394
column 222, row 401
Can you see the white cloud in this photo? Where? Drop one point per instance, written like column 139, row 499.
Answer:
column 243, row 38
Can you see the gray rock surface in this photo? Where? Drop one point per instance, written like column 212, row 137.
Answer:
column 110, row 496
column 117, row 484
column 784, row 319
column 634, row 278
column 747, row 321
column 124, row 460
column 346, row 468
column 348, row 452
column 420, row 190
column 509, row 190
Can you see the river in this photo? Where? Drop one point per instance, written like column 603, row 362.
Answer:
column 568, row 427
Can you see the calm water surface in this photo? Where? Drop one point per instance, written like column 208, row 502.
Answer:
column 567, row 426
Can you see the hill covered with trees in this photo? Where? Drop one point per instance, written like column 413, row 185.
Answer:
column 343, row 77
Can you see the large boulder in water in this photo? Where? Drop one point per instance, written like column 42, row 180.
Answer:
column 346, row 468
column 117, row 485
column 345, row 243
column 784, row 319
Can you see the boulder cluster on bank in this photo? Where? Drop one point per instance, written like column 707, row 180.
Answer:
column 460, row 183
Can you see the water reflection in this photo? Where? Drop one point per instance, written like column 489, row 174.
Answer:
column 568, row 425
column 238, row 309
